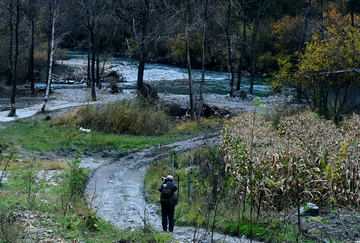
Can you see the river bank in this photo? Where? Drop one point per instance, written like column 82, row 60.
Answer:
column 28, row 105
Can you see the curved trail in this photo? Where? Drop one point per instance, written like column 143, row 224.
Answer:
column 116, row 190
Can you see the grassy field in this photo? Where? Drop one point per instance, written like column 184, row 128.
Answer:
column 34, row 135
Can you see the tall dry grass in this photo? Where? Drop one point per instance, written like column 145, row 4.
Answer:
column 322, row 156
column 122, row 116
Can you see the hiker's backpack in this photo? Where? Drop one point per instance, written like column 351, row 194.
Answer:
column 166, row 195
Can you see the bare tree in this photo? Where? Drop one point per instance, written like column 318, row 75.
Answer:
column 188, row 65
column 31, row 12
column 14, row 11
column 136, row 14
column 146, row 18
column 57, row 30
column 91, row 27
column 225, row 23
column 258, row 7
column 204, row 18
column 242, row 14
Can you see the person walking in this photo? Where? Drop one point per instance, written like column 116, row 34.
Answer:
column 168, row 201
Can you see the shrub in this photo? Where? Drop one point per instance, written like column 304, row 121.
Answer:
column 68, row 119
column 193, row 127
column 10, row 230
column 134, row 117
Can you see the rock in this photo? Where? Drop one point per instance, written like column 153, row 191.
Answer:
column 174, row 109
column 309, row 209
column 148, row 92
column 243, row 94
column 245, row 73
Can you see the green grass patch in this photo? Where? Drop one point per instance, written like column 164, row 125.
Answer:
column 122, row 126
column 49, row 202
column 41, row 135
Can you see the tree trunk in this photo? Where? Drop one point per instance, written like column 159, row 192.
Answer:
column 142, row 50
column 52, row 52
column 242, row 50
column 253, row 44
column 253, row 40
column 88, row 81
column 48, row 54
column 322, row 30
column 141, row 68
column 31, row 46
column 201, row 91
column 93, row 93
column 13, row 107
column 305, row 30
column 203, row 64
column 352, row 13
column 191, row 91
column 228, row 44
column 11, row 42
column 98, row 81
column 303, row 41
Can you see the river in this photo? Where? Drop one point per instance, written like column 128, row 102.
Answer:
column 216, row 82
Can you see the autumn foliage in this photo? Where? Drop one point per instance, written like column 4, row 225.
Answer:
column 325, row 72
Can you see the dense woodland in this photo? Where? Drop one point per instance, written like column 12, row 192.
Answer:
column 311, row 46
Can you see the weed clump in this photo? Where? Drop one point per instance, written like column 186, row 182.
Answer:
column 120, row 117
column 193, row 127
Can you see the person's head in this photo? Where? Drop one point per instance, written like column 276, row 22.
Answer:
column 169, row 178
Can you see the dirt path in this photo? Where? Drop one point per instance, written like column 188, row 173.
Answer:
column 116, row 189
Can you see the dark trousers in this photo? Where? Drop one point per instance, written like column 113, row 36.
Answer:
column 167, row 212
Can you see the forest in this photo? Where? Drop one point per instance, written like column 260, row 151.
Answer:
column 311, row 46
column 251, row 185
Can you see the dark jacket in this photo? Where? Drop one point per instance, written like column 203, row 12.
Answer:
column 169, row 184
column 173, row 190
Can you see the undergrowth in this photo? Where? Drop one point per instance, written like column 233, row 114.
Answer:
column 248, row 185
column 134, row 117
column 60, row 205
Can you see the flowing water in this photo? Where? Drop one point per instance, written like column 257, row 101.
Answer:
column 216, row 82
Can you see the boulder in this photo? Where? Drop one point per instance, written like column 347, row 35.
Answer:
column 174, row 109
column 243, row 94
column 309, row 209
